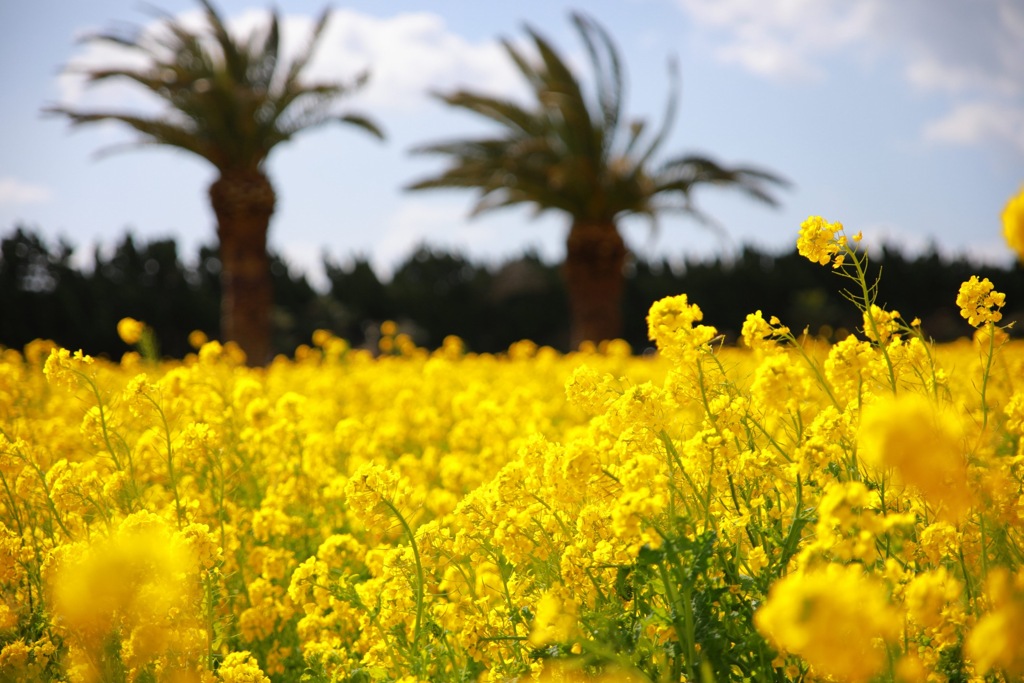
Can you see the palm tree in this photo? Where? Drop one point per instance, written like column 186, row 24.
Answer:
column 575, row 156
column 231, row 102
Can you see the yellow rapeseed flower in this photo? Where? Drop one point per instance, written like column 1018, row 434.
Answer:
column 836, row 618
column 821, row 241
column 1013, row 223
column 130, row 330
column 241, row 667
column 923, row 444
column 64, row 369
column 555, row 618
column 139, row 585
column 979, row 302
column 196, row 339
column 995, row 641
column 879, row 324
column 672, row 325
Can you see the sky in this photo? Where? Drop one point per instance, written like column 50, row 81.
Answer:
column 903, row 120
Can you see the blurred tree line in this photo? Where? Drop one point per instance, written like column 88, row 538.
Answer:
column 44, row 294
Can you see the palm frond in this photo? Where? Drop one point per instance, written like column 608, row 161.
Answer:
column 572, row 153
column 607, row 69
column 153, row 129
column 234, row 58
column 233, row 98
column 562, row 99
column 682, row 173
column 504, row 112
column 364, row 122
column 302, row 60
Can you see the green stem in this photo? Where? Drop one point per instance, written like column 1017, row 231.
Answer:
column 170, row 458
column 985, row 375
column 418, row 588
column 867, row 301
column 680, row 605
column 49, row 501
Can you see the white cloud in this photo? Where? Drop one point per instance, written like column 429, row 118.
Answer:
column 975, row 122
column 945, row 44
column 14, row 191
column 972, row 53
column 783, row 38
column 421, row 221
column 407, row 54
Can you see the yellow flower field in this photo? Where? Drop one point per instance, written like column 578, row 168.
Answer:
column 779, row 511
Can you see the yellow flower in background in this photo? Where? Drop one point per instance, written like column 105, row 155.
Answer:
column 196, row 339
column 923, row 444
column 63, row 368
column 130, row 330
column 373, row 494
column 928, row 597
column 757, row 559
column 1013, row 223
column 836, row 618
column 241, row 667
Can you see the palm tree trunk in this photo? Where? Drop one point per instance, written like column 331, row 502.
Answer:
column 243, row 202
column 594, row 261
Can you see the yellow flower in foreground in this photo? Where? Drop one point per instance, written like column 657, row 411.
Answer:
column 671, row 324
column 923, row 445
column 835, row 618
column 995, row 641
column 759, row 334
column 555, row 619
column 880, row 325
column 820, row 240
column 979, row 302
column 1013, row 223
column 130, row 330
column 563, row 671
column 139, row 585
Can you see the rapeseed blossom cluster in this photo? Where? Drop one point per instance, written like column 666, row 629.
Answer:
column 780, row 510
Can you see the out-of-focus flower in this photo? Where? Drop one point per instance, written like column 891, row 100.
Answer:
column 836, row 618
column 130, row 330
column 995, row 641
column 1013, row 223
column 923, row 444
